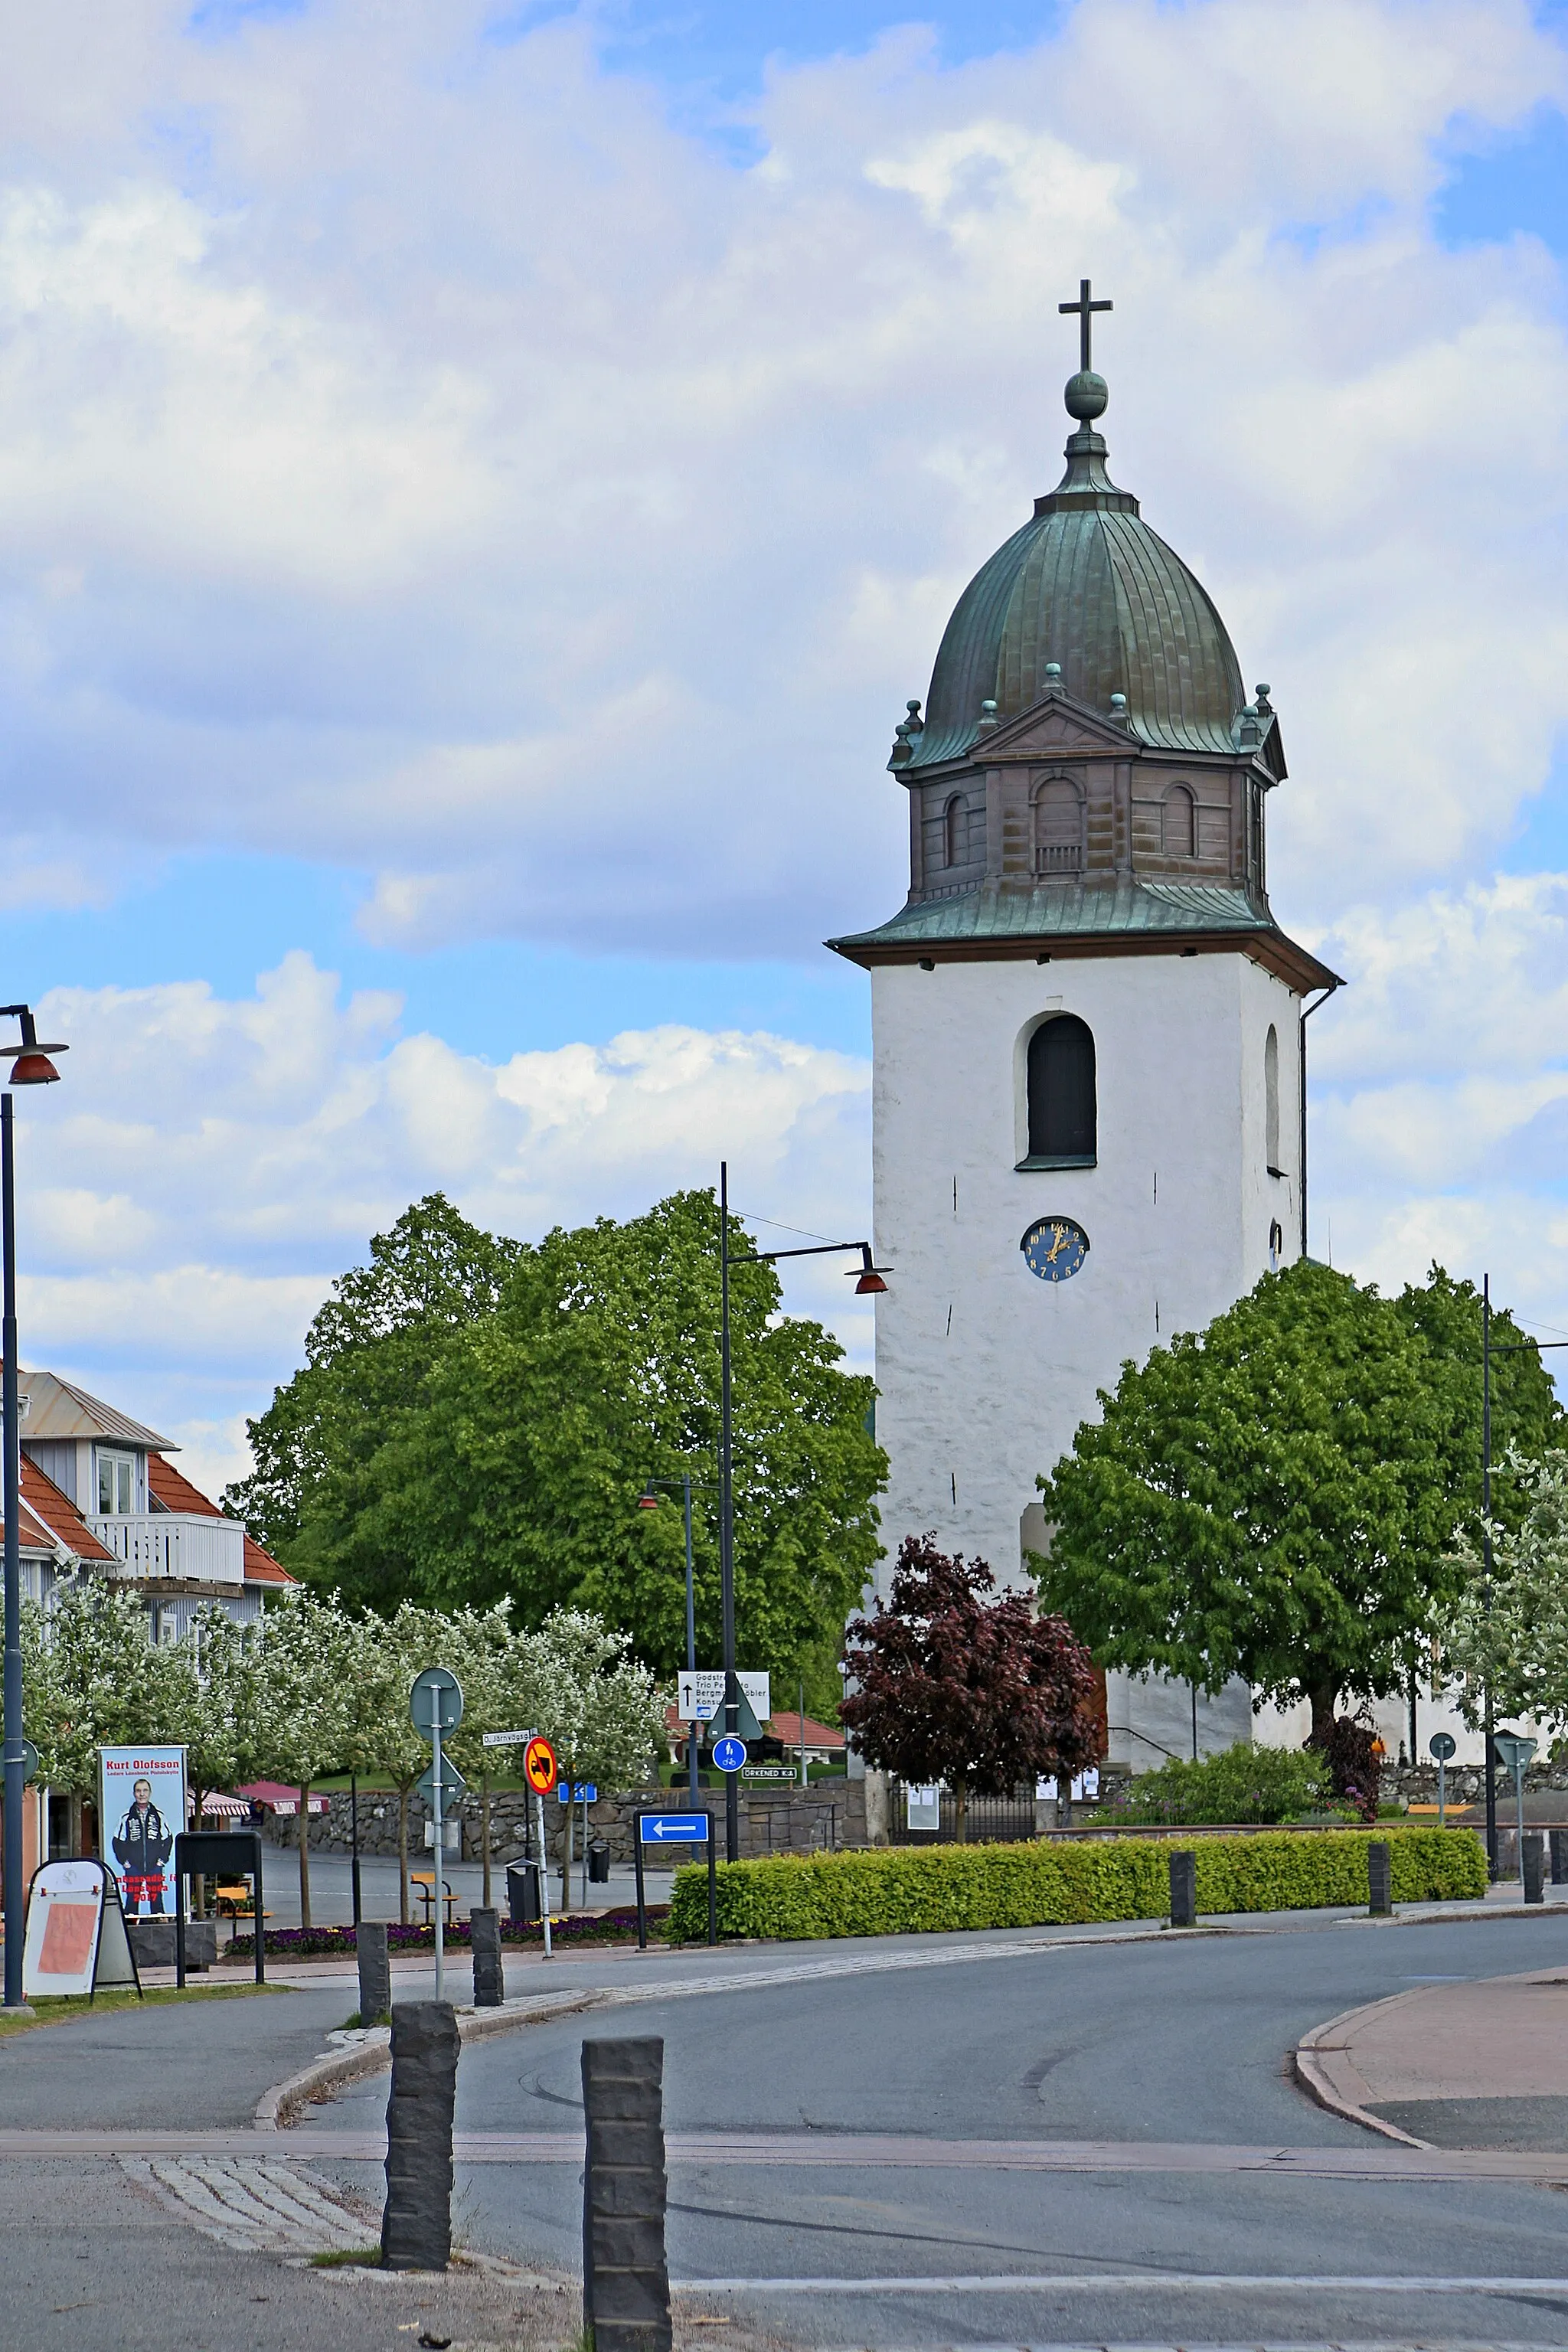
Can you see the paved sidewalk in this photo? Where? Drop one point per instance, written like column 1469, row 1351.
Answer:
column 1459, row 2062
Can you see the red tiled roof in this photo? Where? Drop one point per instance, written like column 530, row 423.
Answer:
column 176, row 1492
column 785, row 1725
column 781, row 1724
column 47, row 1510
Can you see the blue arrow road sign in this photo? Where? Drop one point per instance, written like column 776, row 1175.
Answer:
column 729, row 1753
column 673, row 1829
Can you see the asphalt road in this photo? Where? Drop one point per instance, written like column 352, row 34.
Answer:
column 1175, row 2040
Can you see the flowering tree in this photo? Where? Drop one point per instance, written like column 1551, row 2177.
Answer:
column 953, row 1687
column 1510, row 1633
column 310, row 1662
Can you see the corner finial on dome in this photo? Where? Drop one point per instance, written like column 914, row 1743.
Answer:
column 1086, row 394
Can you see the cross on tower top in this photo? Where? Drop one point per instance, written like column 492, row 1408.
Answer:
column 1084, row 307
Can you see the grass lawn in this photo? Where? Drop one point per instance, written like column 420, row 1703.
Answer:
column 56, row 2008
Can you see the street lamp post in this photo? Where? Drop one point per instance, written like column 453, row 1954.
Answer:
column 32, row 1067
column 868, row 1283
column 648, row 1501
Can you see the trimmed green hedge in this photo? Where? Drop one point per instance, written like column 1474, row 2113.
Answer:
column 915, row 1890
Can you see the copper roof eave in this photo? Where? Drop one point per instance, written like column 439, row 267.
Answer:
column 1295, row 965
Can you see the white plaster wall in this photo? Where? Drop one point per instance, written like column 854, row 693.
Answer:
column 986, row 1371
column 1288, row 1726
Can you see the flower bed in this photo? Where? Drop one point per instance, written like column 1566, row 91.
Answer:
column 338, row 1943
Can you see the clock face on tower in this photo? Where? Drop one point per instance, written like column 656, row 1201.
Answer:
column 1055, row 1248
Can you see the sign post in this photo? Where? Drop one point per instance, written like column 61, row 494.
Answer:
column 435, row 1708
column 541, row 1771
column 676, row 1829
column 1442, row 1745
column 1516, row 1752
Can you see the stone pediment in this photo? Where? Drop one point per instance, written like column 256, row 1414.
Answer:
column 1055, row 727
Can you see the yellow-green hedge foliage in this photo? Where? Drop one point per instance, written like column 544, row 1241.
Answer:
column 915, row 1890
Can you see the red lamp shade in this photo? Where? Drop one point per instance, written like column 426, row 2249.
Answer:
column 871, row 1282
column 647, row 1502
column 33, row 1070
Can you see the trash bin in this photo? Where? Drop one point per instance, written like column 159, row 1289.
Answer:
column 598, row 1863
column 522, row 1906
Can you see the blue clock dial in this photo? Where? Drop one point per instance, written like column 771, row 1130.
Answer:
column 1055, row 1248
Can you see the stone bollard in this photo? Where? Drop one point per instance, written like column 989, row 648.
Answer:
column 1379, row 1879
column 1559, row 1857
column 1534, row 1862
column 375, row 1971
column 626, row 2277
column 416, row 2223
column 1183, row 1890
column 490, row 1982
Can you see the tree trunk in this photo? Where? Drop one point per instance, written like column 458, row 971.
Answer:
column 402, row 1856
column 304, row 1858
column 961, row 1807
column 485, row 1832
column 1322, row 1695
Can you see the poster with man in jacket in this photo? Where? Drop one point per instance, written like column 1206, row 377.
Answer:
column 141, row 1808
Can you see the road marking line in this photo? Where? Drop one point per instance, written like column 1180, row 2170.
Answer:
column 1160, row 2282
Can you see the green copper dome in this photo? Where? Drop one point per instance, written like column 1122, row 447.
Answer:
column 1086, row 585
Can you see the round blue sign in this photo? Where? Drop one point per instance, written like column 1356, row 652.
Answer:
column 729, row 1753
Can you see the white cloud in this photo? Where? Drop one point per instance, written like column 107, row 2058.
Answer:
column 484, row 485
column 188, row 1191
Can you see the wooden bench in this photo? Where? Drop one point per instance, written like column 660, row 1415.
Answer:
column 424, row 1882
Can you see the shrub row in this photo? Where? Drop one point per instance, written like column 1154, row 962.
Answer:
column 907, row 1890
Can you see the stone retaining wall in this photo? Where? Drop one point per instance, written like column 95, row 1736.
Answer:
column 776, row 1817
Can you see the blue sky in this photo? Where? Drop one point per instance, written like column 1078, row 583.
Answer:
column 462, row 555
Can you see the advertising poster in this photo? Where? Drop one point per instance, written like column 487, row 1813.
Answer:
column 141, row 1811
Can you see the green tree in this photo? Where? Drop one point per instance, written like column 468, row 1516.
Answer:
column 509, row 1462
column 315, row 1497
column 1277, row 1497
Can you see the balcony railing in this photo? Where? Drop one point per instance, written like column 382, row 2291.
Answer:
column 178, row 1544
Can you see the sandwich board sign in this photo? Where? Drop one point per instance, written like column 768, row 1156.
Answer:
column 75, row 1939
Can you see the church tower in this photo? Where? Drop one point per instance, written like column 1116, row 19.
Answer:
column 1088, row 1101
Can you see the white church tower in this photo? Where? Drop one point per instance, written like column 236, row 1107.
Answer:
column 1088, row 1079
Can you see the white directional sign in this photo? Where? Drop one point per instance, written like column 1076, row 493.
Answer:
column 700, row 1697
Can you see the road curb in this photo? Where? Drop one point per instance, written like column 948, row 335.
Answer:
column 1325, row 2070
column 281, row 2106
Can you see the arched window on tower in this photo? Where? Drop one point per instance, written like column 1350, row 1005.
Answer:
column 1271, row 1101
column 1058, row 827
column 1061, row 1094
column 1180, row 822
column 953, row 845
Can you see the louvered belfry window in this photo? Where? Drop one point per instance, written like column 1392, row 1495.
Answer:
column 1058, row 828
column 1062, row 1121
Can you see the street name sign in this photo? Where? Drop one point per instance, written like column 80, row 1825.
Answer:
column 769, row 1771
column 506, row 1739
